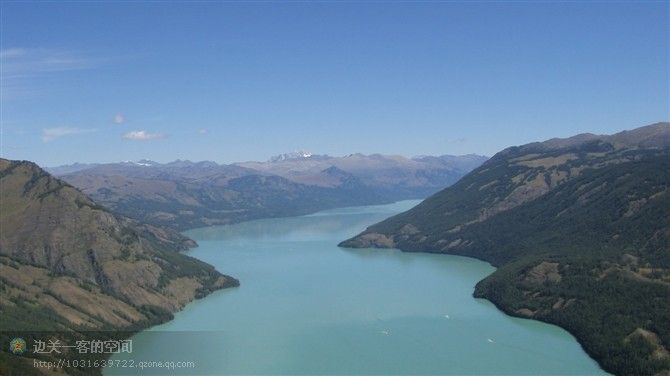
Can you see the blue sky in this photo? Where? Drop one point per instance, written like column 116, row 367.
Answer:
column 101, row 82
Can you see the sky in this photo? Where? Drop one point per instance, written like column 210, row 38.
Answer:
column 229, row 81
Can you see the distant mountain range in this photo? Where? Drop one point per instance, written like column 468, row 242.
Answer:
column 70, row 265
column 579, row 229
column 185, row 194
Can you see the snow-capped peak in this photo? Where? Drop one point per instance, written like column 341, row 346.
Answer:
column 293, row 155
column 142, row 162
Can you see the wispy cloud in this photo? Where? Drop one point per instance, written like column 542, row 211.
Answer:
column 50, row 134
column 21, row 62
column 9, row 53
column 143, row 136
column 203, row 131
column 21, row 67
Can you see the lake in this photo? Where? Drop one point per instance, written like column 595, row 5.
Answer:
column 306, row 306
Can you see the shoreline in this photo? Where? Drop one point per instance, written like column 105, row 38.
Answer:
column 473, row 294
column 502, row 309
column 131, row 333
column 497, row 304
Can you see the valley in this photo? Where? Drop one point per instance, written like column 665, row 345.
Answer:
column 307, row 307
column 457, row 188
column 534, row 211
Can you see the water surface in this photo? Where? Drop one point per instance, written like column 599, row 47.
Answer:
column 306, row 306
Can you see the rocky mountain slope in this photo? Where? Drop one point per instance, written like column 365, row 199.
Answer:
column 184, row 194
column 579, row 229
column 69, row 265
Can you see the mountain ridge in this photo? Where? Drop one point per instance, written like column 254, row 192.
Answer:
column 184, row 194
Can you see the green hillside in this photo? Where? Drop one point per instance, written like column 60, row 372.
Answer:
column 580, row 232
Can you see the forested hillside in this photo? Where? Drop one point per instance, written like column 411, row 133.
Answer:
column 580, row 231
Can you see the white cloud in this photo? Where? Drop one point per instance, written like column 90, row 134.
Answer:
column 50, row 134
column 203, row 131
column 142, row 136
column 119, row 118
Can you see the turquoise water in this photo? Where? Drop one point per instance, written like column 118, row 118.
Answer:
column 306, row 306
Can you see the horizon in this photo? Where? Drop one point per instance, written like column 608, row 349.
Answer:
column 269, row 159
column 231, row 82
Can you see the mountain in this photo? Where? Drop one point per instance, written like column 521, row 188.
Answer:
column 392, row 177
column 68, row 169
column 68, row 264
column 579, row 229
column 185, row 194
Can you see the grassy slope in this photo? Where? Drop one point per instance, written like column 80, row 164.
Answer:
column 70, row 267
